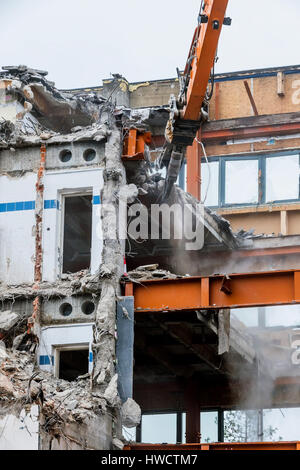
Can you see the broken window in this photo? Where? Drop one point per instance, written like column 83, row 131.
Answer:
column 241, row 181
column 282, row 178
column 77, row 233
column 210, row 183
column 72, row 363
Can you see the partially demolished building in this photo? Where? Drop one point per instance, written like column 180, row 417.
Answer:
column 93, row 345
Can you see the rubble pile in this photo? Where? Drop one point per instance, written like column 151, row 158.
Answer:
column 46, row 114
column 60, row 401
column 150, row 271
column 79, row 283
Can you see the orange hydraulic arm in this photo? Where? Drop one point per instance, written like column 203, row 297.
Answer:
column 188, row 111
column 191, row 107
column 202, row 56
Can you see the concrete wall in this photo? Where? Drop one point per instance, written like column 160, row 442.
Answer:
column 96, row 434
column 20, row 433
column 51, row 311
column 18, row 177
column 63, row 335
column 17, row 221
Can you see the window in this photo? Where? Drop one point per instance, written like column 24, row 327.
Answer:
column 248, row 316
column 210, row 183
column 209, row 426
column 72, row 362
column 159, row 428
column 282, row 315
column 77, row 233
column 241, row 181
column 282, row 178
column 263, row 179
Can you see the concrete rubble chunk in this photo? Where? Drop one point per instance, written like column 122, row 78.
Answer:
column 147, row 267
column 8, row 319
column 3, row 353
column 130, row 413
column 151, row 271
column 6, row 387
column 71, row 405
column 111, row 393
column 117, row 444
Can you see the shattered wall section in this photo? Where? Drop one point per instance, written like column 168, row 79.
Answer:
column 110, row 270
column 73, row 414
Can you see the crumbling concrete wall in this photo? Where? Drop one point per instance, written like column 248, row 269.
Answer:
column 86, row 413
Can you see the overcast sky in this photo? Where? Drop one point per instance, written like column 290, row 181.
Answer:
column 80, row 42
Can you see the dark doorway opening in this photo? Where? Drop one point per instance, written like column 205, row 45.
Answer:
column 77, row 233
column 73, row 363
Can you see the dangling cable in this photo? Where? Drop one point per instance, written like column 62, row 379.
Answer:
column 208, row 166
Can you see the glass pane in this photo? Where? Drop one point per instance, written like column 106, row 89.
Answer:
column 282, row 178
column 242, row 426
column 283, row 315
column 159, row 428
column 183, row 428
column 282, row 424
column 248, row 316
column 241, row 181
column 209, row 426
column 210, row 183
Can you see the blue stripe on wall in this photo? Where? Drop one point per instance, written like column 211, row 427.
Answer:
column 45, row 360
column 17, row 206
column 27, row 205
column 96, row 200
column 51, row 204
column 91, row 357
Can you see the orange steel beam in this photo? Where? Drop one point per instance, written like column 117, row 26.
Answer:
column 134, row 144
column 203, row 60
column 214, row 136
column 234, row 291
column 292, row 445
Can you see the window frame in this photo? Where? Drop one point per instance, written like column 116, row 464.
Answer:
column 57, row 348
column 62, row 195
column 262, row 177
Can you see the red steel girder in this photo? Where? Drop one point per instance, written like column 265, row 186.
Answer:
column 222, row 135
column 281, row 445
column 214, row 292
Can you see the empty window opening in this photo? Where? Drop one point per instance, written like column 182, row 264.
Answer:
column 89, row 155
column 73, row 363
column 65, row 155
column 77, row 233
column 88, row 307
column 65, row 309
